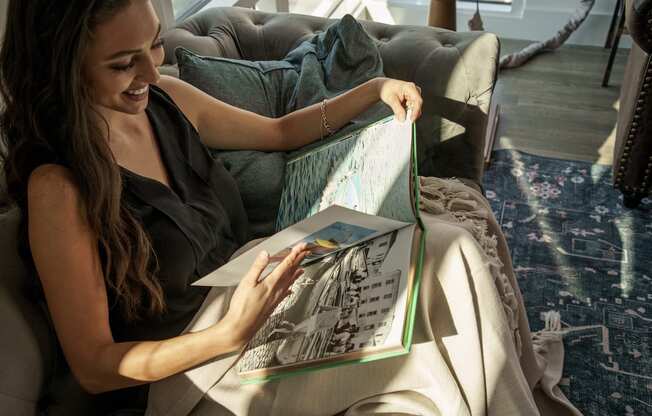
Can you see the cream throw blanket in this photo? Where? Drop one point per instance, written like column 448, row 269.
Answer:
column 472, row 354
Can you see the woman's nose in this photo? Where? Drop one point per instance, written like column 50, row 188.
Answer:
column 149, row 71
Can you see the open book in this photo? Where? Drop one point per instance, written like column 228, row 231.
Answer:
column 354, row 201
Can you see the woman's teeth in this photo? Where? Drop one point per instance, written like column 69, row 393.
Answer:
column 137, row 92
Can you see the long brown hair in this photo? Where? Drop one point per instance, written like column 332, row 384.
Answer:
column 47, row 117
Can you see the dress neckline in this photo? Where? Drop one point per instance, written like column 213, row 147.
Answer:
column 163, row 153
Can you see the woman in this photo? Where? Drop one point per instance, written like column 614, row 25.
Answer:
column 114, row 274
column 104, row 159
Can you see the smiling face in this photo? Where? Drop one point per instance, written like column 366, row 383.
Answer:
column 122, row 59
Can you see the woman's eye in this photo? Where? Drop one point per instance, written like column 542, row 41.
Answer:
column 158, row 44
column 124, row 67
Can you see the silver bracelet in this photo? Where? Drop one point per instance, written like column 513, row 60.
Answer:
column 324, row 120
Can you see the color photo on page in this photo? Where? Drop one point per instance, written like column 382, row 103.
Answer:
column 321, row 243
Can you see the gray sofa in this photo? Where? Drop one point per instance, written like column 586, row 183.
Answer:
column 456, row 71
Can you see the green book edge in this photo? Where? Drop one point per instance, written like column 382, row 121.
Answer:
column 416, row 284
column 407, row 338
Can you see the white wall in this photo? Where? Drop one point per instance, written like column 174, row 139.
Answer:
column 528, row 19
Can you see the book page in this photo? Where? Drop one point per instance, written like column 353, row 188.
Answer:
column 348, row 303
column 368, row 170
column 327, row 232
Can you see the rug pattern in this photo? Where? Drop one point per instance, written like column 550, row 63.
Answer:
column 577, row 250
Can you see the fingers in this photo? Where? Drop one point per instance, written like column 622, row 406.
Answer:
column 283, row 289
column 262, row 260
column 291, row 261
column 398, row 109
column 412, row 95
column 400, row 94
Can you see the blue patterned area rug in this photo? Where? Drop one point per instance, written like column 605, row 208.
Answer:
column 577, row 250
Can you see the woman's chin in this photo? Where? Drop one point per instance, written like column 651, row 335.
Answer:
column 131, row 106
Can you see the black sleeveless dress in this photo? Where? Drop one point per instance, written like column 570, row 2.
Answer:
column 194, row 225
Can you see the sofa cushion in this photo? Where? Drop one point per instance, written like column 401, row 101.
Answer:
column 262, row 87
column 27, row 346
column 259, row 87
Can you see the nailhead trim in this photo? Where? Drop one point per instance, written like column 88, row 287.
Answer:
column 633, row 129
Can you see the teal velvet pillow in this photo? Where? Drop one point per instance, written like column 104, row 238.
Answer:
column 262, row 88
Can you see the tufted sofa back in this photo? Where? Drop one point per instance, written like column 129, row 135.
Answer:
column 456, row 71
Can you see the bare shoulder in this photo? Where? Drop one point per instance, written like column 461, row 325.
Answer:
column 180, row 91
column 173, row 86
column 52, row 188
column 50, row 178
column 186, row 97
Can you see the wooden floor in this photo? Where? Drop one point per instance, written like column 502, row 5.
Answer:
column 555, row 105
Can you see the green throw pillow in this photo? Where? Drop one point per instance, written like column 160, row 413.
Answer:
column 262, row 88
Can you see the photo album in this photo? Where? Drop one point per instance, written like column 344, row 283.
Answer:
column 353, row 200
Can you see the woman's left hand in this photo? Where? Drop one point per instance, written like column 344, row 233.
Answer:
column 400, row 95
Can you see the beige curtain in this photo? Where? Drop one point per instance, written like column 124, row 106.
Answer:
column 164, row 11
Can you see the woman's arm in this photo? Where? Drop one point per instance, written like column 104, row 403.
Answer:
column 223, row 126
column 66, row 257
column 305, row 125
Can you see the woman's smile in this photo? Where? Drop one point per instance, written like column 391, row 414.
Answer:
column 137, row 94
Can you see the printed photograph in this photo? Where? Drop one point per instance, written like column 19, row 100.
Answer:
column 323, row 242
column 344, row 302
column 368, row 172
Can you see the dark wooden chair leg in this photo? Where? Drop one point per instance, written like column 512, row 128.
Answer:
column 612, row 27
column 614, row 49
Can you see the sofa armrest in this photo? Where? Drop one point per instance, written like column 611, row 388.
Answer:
column 456, row 71
column 26, row 350
column 633, row 149
column 639, row 22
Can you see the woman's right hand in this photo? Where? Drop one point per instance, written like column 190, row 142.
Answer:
column 254, row 300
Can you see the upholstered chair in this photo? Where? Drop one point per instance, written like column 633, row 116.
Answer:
column 633, row 150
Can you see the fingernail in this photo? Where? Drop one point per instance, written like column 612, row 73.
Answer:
column 263, row 255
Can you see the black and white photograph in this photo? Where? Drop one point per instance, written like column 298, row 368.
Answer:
column 344, row 302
